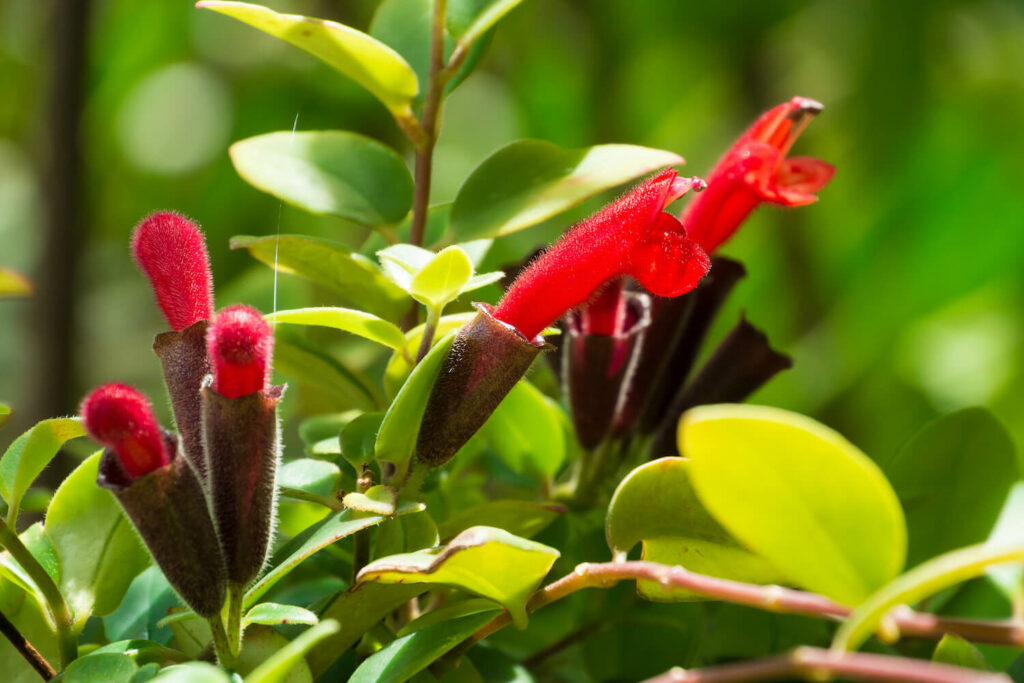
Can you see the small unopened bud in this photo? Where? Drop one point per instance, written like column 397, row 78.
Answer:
column 240, row 344
column 121, row 418
column 171, row 251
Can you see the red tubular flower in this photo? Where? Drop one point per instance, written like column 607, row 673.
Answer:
column 632, row 236
column 757, row 170
column 171, row 251
column 240, row 344
column 121, row 418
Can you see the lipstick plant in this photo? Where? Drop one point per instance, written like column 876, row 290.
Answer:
column 542, row 445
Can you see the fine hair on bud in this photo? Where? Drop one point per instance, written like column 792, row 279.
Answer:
column 240, row 344
column 171, row 251
column 122, row 419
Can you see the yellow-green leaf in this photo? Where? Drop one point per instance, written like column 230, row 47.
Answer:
column 441, row 280
column 360, row 323
column 29, row 454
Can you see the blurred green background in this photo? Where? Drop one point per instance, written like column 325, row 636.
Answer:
column 898, row 294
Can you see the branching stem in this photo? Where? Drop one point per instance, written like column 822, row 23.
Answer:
column 25, row 649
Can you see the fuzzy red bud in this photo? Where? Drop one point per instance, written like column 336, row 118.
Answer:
column 240, row 344
column 121, row 418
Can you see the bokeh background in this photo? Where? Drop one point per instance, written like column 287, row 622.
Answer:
column 898, row 295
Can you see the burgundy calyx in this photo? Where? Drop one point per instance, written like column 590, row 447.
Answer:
column 169, row 510
column 184, row 361
column 741, row 364
column 486, row 359
column 598, row 366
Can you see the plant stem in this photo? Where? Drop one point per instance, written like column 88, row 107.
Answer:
column 431, row 111
column 768, row 598
column 25, row 649
column 433, row 316
column 55, row 603
column 236, row 597
column 299, row 494
column 818, row 664
column 221, row 644
column 360, row 552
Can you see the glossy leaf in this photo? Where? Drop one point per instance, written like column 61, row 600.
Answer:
column 958, row 652
column 401, row 262
column 486, row 561
column 365, row 60
column 952, row 479
column 315, row 429
column 656, row 505
column 141, row 651
column 145, row 603
column 328, row 172
column 355, row 277
column 272, row 614
column 302, row 360
column 13, row 284
column 330, row 530
column 406, row 534
column 192, row 672
column 99, row 550
column 29, row 455
column 923, row 580
column 396, row 441
column 398, row 367
column 519, row 517
column 358, row 439
column 482, row 280
column 349, row 320
column 798, row 494
column 311, row 475
column 377, row 500
column 530, row 181
column 403, row 658
column 526, row 432
column 108, row 667
column 470, row 19
column 442, row 279
column 281, row 663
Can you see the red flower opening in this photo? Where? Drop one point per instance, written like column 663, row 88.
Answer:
column 121, row 418
column 171, row 251
column 632, row 236
column 240, row 344
column 755, row 170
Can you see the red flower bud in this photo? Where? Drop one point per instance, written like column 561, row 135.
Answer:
column 240, row 344
column 755, row 170
column 121, row 418
column 632, row 236
column 171, row 251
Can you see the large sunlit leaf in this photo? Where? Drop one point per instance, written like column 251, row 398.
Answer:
column 328, row 172
column 349, row 320
column 530, row 181
column 526, row 432
column 109, row 667
column 311, row 475
column 355, row 277
column 798, row 494
column 923, row 580
column 403, row 658
column 281, row 665
column 483, row 560
column 13, row 284
column 29, row 455
column 365, row 60
column 952, row 479
column 300, row 359
column 442, row 279
column 99, row 551
column 396, row 441
column 273, row 614
column 656, row 505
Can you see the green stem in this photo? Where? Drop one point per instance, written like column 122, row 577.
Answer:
column 299, row 494
column 236, row 597
column 221, row 643
column 55, row 603
column 433, row 317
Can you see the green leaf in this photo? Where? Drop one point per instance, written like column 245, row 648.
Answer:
column 108, row 667
column 470, row 19
column 526, row 433
column 377, row 500
column 330, row 530
column 406, row 534
column 301, row 359
column 359, row 438
column 798, row 494
column 29, row 455
column 328, row 172
column 14, row 285
column 403, row 658
column 363, row 324
column 311, row 475
column 365, row 60
column 656, row 505
column 141, row 651
column 923, row 580
column 355, row 277
column 441, row 280
column 399, row 367
column 272, row 614
column 276, row 667
column 519, row 517
column 958, row 652
column 315, row 429
column 193, row 672
column 396, row 441
column 530, row 181
column 486, row 561
column 5, row 414
column 482, row 280
column 952, row 479
column 401, row 262
column 357, row 610
column 145, row 603
column 99, row 551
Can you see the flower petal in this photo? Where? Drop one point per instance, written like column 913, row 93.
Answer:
column 668, row 263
